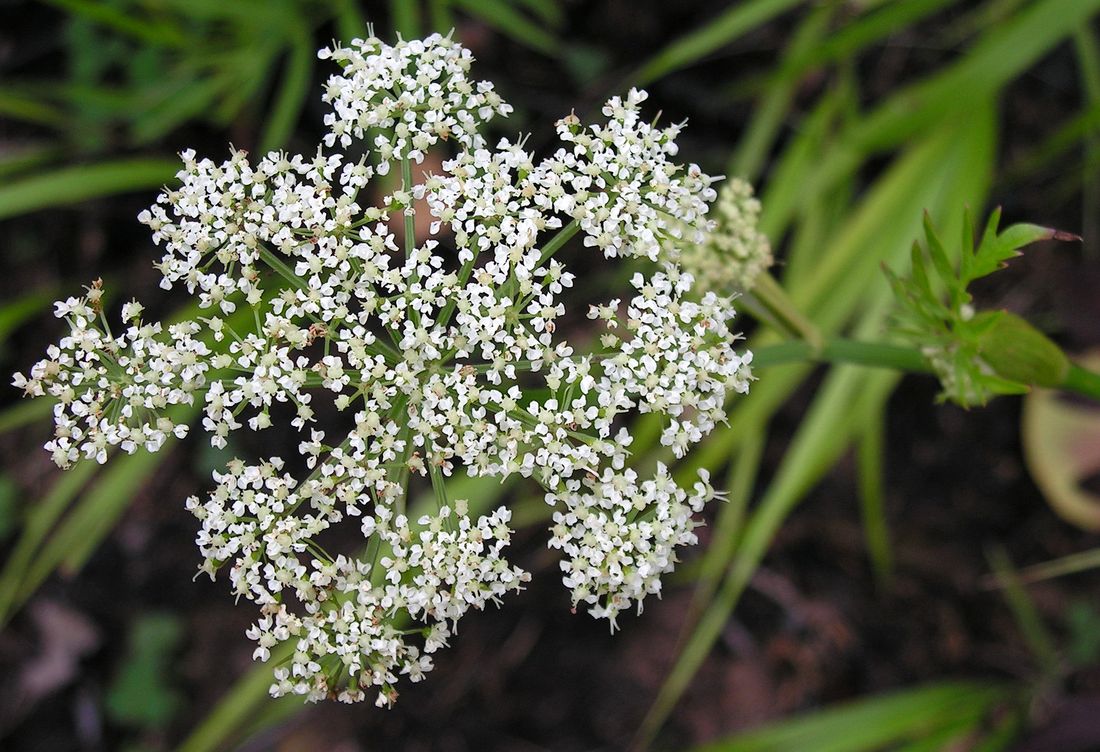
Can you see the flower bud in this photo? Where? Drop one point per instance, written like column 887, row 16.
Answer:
column 1018, row 351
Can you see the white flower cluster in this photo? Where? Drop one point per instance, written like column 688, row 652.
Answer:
column 619, row 536
column 443, row 354
column 735, row 252
column 415, row 93
column 114, row 391
column 356, row 613
column 619, row 184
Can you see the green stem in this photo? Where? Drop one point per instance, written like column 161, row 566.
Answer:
column 771, row 295
column 556, row 242
column 1082, row 381
column 896, row 357
column 837, row 350
column 410, row 227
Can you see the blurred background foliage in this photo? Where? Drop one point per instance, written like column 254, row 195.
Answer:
column 853, row 118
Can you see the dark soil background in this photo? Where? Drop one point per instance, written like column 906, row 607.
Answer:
column 813, row 628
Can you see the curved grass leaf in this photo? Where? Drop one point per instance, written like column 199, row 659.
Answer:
column 500, row 15
column 71, row 185
column 877, row 723
column 716, row 33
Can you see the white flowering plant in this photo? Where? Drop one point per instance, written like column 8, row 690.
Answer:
column 411, row 324
column 448, row 353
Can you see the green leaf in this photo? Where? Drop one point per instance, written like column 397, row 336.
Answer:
column 920, row 275
column 942, row 264
column 140, row 694
column 184, row 99
column 997, row 248
column 949, row 168
column 293, row 92
column 775, row 104
column 966, row 257
column 19, row 106
column 40, row 519
column 870, row 457
column 720, row 31
column 71, row 185
column 504, row 18
column 9, row 495
column 874, row 723
column 1000, row 55
column 14, row 313
column 550, row 11
column 1035, row 632
column 24, row 413
column 405, row 16
column 109, row 15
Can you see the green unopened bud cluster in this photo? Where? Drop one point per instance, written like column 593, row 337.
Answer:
column 976, row 356
column 735, row 251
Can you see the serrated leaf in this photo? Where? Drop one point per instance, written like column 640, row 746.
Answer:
column 941, row 262
column 920, row 274
column 997, row 248
column 966, row 257
column 983, row 322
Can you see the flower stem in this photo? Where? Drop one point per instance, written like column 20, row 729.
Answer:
column 410, row 228
column 1082, row 381
column 837, row 350
column 1078, row 380
column 558, row 241
column 771, row 295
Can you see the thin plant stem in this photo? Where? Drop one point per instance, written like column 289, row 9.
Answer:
column 773, row 298
column 1078, row 379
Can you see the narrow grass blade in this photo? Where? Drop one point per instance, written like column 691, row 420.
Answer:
column 27, row 159
column 875, row 723
column 234, row 711
column 1042, row 156
column 870, row 29
column 774, row 106
column 293, row 90
column 549, row 12
column 40, row 520
column 954, row 168
column 1088, row 62
column 820, row 440
column 350, row 21
column 785, row 190
column 184, row 98
column 999, row 57
column 870, row 458
column 1034, row 631
column 442, row 20
column 156, row 33
column 30, row 109
column 405, row 17
column 24, row 413
column 1047, row 570
column 716, row 33
column 730, row 522
column 71, row 185
column 14, row 313
column 503, row 17
column 91, row 519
